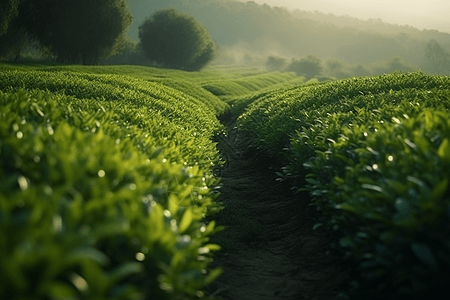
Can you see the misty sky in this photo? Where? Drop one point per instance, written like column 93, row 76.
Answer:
column 422, row 14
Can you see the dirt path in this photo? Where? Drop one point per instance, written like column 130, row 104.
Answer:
column 269, row 248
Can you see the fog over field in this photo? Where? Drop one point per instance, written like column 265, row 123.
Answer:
column 341, row 38
column 430, row 14
column 346, row 38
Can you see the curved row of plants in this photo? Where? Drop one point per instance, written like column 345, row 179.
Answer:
column 188, row 83
column 106, row 181
column 374, row 153
column 229, row 88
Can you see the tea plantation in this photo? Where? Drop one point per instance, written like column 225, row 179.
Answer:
column 375, row 155
column 106, row 181
column 107, row 188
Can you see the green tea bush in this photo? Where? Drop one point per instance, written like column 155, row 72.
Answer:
column 276, row 116
column 241, row 86
column 195, row 90
column 375, row 154
column 105, row 183
column 386, row 187
column 187, row 84
column 179, row 107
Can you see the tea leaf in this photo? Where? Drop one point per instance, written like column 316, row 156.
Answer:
column 424, row 254
column 444, row 150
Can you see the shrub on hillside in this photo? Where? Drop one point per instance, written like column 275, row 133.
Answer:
column 274, row 63
column 393, row 64
column 309, row 66
column 129, row 54
column 175, row 40
column 437, row 58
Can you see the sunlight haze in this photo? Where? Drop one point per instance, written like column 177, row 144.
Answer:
column 430, row 14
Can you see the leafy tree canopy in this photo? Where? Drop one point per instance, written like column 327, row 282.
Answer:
column 437, row 57
column 176, row 40
column 308, row 66
column 8, row 10
column 77, row 31
column 274, row 63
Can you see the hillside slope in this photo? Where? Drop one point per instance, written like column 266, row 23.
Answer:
column 253, row 28
column 374, row 153
column 106, row 181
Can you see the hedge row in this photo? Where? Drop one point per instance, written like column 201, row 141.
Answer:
column 105, row 185
column 240, row 86
column 375, row 156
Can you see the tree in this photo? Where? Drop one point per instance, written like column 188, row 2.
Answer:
column 77, row 31
column 308, row 66
column 437, row 57
column 8, row 10
column 175, row 40
column 274, row 63
column 359, row 70
column 13, row 42
column 393, row 64
column 337, row 68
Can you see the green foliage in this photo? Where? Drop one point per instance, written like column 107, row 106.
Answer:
column 277, row 115
column 105, row 185
column 187, row 83
column 309, row 66
column 437, row 57
column 299, row 33
column 13, row 36
column 247, row 84
column 274, row 63
column 336, row 68
column 386, row 187
column 77, row 31
column 176, row 40
column 13, row 41
column 374, row 153
column 240, row 98
column 392, row 65
column 8, row 10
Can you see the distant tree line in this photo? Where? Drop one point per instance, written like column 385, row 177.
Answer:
column 259, row 29
column 312, row 66
column 87, row 32
column 73, row 31
column 437, row 58
column 8, row 10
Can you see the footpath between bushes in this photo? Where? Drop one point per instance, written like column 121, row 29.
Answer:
column 269, row 247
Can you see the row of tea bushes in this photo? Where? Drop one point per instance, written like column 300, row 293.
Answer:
column 188, row 83
column 240, row 86
column 105, row 185
column 374, row 153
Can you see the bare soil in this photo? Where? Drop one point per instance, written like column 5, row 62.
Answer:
column 269, row 247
